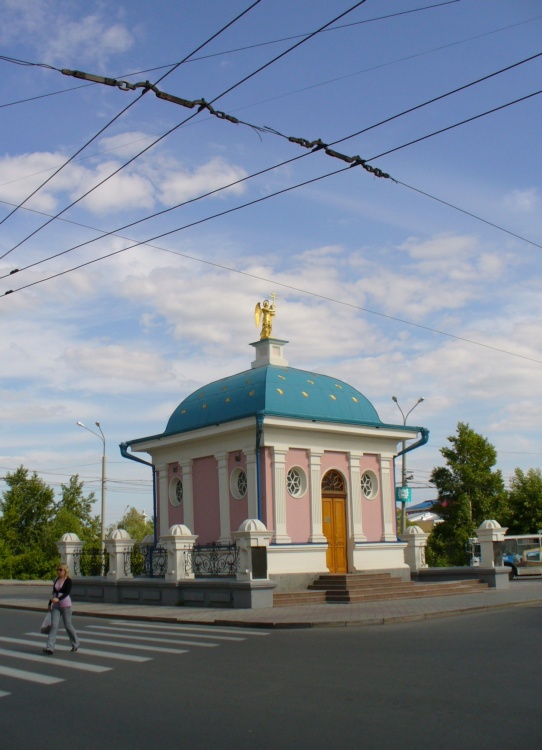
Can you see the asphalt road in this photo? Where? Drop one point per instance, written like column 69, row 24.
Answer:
column 463, row 682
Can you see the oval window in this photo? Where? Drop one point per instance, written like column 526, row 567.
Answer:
column 176, row 491
column 369, row 485
column 238, row 483
column 296, row 482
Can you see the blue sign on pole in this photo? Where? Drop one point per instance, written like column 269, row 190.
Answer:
column 403, row 494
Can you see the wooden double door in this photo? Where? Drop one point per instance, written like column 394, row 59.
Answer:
column 334, row 528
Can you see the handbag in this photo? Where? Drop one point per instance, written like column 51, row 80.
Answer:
column 46, row 624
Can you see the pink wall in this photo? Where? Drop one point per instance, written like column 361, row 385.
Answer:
column 338, row 461
column 206, row 504
column 238, row 508
column 298, row 509
column 372, row 509
column 175, row 512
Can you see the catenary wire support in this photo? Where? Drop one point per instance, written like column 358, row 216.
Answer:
column 202, row 104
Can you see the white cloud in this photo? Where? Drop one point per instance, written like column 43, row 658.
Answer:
column 61, row 39
column 181, row 184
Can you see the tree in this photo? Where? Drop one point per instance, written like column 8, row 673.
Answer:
column 524, row 514
column 74, row 513
column 136, row 524
column 469, row 492
column 27, row 510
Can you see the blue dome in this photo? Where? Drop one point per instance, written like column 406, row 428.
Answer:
column 272, row 390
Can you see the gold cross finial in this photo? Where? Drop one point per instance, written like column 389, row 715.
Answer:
column 274, row 297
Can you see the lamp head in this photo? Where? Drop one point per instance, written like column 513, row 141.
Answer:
column 421, row 399
column 394, row 398
column 79, row 424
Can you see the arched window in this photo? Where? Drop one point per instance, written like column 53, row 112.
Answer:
column 333, row 482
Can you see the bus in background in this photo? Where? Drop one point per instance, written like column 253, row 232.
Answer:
column 522, row 554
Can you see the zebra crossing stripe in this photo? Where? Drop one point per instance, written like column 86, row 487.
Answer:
column 247, row 632
column 145, row 638
column 87, row 651
column 3, row 693
column 21, row 674
column 151, row 629
column 83, row 666
column 116, row 644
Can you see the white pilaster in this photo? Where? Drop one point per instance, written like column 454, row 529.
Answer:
column 163, row 498
column 252, row 482
column 356, row 519
column 188, row 493
column 223, row 497
column 387, row 499
column 279, row 480
column 315, row 485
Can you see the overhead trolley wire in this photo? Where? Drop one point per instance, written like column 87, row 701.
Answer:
column 315, row 146
column 171, row 130
column 173, row 68
column 272, row 281
column 214, row 54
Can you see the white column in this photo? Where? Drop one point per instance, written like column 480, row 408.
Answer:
column 188, row 493
column 118, row 544
column 489, row 532
column 416, row 540
column 223, row 497
column 387, row 499
column 355, row 497
column 252, row 482
column 279, row 480
column 163, row 498
column 69, row 548
column 315, row 487
column 179, row 543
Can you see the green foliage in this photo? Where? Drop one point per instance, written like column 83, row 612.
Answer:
column 469, row 492
column 524, row 514
column 32, row 522
column 27, row 506
column 135, row 524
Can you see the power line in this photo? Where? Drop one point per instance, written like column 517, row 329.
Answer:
column 174, row 67
column 457, row 124
column 272, row 281
column 227, row 91
column 315, row 146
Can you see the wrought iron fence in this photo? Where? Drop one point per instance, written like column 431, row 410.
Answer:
column 90, row 562
column 212, row 560
column 145, row 561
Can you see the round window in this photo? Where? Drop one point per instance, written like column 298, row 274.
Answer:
column 369, row 485
column 238, row 483
column 296, row 482
column 176, row 491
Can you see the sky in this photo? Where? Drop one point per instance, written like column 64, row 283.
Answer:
column 425, row 283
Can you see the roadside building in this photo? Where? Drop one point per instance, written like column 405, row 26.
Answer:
column 305, row 453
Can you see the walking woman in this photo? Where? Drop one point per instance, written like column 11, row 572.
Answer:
column 60, row 605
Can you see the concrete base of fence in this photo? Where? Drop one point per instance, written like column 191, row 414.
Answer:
column 497, row 578
column 227, row 593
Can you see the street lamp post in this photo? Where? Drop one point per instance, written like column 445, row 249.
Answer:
column 403, row 463
column 101, row 436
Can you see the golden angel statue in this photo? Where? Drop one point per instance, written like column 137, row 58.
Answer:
column 264, row 314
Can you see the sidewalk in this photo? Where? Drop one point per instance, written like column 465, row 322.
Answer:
column 33, row 596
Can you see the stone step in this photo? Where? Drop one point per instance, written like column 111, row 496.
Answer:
column 360, row 585
column 420, row 591
column 366, row 588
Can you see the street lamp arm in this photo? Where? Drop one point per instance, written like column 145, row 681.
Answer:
column 99, row 435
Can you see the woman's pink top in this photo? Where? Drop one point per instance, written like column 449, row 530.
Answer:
column 65, row 601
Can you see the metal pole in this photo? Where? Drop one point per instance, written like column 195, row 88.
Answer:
column 403, row 462
column 403, row 484
column 101, row 436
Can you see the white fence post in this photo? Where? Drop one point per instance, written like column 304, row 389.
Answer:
column 69, row 547
column 179, row 543
column 252, row 540
column 118, row 544
column 416, row 541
